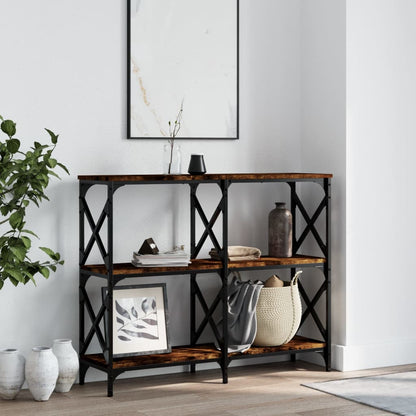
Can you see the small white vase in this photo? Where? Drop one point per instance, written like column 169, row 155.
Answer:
column 12, row 373
column 41, row 373
column 68, row 364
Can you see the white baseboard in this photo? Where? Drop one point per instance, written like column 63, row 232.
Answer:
column 361, row 357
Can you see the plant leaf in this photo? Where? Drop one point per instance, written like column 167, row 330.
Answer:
column 54, row 137
column 13, row 145
column 52, row 163
column 48, row 251
column 145, row 305
column 16, row 274
column 13, row 280
column 63, row 167
column 123, row 338
column 150, row 321
column 122, row 311
column 8, row 127
column 134, row 312
column 45, row 272
column 26, row 241
column 16, row 218
column 19, row 252
column 137, row 326
column 120, row 321
column 4, row 210
column 139, row 334
column 30, row 232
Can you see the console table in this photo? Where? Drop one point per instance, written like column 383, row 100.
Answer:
column 195, row 353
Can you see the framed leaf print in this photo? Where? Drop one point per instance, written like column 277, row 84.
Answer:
column 140, row 320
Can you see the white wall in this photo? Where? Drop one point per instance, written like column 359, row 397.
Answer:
column 357, row 118
column 381, row 125
column 323, row 126
column 64, row 67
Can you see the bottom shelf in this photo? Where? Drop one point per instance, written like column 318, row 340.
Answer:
column 198, row 354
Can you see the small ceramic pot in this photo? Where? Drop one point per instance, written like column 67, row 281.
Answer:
column 68, row 364
column 41, row 373
column 12, row 373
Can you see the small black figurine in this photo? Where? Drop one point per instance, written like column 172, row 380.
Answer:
column 149, row 247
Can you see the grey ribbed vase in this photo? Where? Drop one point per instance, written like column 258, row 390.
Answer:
column 280, row 231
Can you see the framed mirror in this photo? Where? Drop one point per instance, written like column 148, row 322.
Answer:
column 182, row 54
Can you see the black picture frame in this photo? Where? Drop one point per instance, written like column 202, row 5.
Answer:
column 233, row 126
column 140, row 320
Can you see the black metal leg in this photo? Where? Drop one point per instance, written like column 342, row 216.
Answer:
column 327, row 357
column 293, row 358
column 224, row 374
column 82, row 371
column 192, row 368
column 110, row 385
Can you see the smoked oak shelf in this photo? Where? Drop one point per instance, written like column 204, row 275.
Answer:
column 304, row 229
column 184, row 355
column 205, row 266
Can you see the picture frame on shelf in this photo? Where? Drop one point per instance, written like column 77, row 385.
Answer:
column 140, row 320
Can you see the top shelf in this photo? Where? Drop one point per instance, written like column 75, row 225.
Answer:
column 212, row 177
column 206, row 266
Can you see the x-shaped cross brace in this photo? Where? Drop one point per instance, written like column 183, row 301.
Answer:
column 208, row 311
column 310, row 306
column 208, row 224
column 310, row 221
column 95, row 321
column 95, row 236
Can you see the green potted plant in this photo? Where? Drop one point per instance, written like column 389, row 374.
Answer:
column 24, row 177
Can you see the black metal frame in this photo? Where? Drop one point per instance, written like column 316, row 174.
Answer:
column 196, row 295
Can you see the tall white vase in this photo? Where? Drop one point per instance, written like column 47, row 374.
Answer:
column 68, row 364
column 41, row 373
column 12, row 373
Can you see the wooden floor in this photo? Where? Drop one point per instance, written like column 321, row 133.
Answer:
column 263, row 390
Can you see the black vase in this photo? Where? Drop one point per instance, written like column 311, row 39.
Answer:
column 197, row 165
column 280, row 231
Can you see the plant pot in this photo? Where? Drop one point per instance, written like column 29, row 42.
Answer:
column 12, row 373
column 68, row 364
column 41, row 373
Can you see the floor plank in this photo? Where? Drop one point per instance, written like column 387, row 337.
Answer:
column 262, row 390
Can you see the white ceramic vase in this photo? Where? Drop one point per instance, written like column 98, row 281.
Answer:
column 12, row 373
column 41, row 373
column 68, row 364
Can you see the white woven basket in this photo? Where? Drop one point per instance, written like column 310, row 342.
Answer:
column 278, row 314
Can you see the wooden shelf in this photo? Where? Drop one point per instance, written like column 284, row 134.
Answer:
column 236, row 177
column 201, row 353
column 205, row 265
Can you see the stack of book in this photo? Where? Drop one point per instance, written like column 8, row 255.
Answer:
column 172, row 259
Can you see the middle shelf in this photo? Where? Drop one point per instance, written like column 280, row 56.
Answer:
column 205, row 266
